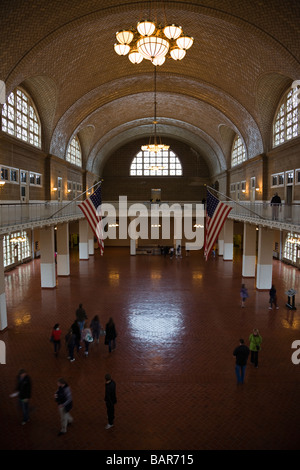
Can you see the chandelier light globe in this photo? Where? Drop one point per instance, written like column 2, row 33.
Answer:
column 184, row 42
column 152, row 47
column 177, row 53
column 135, row 57
column 172, row 31
column 124, row 37
column 158, row 61
column 122, row 49
column 146, row 28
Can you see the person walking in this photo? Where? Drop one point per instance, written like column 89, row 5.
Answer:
column 81, row 316
column 110, row 400
column 23, row 392
column 63, row 397
column 110, row 335
column 273, row 297
column 87, row 338
column 241, row 354
column 255, row 345
column 55, row 337
column 95, row 327
column 70, row 344
column 244, row 294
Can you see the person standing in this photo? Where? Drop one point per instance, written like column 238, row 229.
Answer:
column 255, row 346
column 275, row 203
column 81, row 316
column 110, row 400
column 23, row 391
column 110, row 335
column 241, row 354
column 273, row 297
column 244, row 294
column 63, row 397
column 56, row 334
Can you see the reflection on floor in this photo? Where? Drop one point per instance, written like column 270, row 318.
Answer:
column 178, row 322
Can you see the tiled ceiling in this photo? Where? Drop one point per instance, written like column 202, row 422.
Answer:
column 245, row 55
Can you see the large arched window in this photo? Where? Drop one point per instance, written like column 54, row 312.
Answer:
column 286, row 124
column 74, row 154
column 238, row 153
column 162, row 163
column 20, row 119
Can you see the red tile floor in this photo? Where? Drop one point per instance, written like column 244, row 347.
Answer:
column 178, row 322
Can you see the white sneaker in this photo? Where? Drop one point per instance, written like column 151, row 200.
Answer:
column 108, row 426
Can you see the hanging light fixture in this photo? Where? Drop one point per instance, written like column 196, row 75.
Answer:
column 155, row 145
column 153, row 43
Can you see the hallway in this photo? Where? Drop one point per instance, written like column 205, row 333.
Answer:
column 178, row 322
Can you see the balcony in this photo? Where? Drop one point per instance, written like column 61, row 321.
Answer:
column 23, row 216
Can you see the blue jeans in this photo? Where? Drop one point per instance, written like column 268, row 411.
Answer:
column 240, row 373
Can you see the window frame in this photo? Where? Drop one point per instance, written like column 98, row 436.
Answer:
column 286, row 122
column 168, row 158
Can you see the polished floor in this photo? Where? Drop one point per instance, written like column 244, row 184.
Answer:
column 178, row 322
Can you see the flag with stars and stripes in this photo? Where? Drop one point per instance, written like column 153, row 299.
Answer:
column 91, row 208
column 216, row 214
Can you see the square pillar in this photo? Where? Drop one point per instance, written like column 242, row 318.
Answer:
column 48, row 274
column 63, row 257
column 83, row 239
column 228, row 240
column 264, row 258
column 249, row 250
column 3, row 310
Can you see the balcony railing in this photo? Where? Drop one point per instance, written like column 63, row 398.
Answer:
column 47, row 213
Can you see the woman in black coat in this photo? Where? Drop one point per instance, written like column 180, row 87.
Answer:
column 110, row 335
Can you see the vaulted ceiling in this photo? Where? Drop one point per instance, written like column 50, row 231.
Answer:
column 245, row 55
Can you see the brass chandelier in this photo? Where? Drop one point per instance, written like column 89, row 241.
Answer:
column 153, row 43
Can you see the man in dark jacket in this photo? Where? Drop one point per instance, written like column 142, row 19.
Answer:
column 110, row 400
column 23, row 389
column 63, row 397
column 241, row 353
column 81, row 316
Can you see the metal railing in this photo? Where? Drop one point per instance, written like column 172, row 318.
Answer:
column 45, row 213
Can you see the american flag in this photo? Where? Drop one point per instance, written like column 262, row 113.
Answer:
column 91, row 208
column 216, row 214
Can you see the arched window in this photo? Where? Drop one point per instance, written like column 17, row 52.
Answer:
column 162, row 163
column 238, row 153
column 20, row 119
column 286, row 123
column 74, row 154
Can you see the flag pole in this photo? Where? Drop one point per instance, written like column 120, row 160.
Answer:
column 99, row 182
column 263, row 218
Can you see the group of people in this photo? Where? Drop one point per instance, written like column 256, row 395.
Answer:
column 81, row 332
column 64, row 399
column 242, row 352
column 272, row 296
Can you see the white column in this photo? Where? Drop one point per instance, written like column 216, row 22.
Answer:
column 48, row 275
column 63, row 257
column 221, row 242
column 264, row 258
column 91, row 241
column 228, row 240
column 83, row 239
column 249, row 250
column 3, row 311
